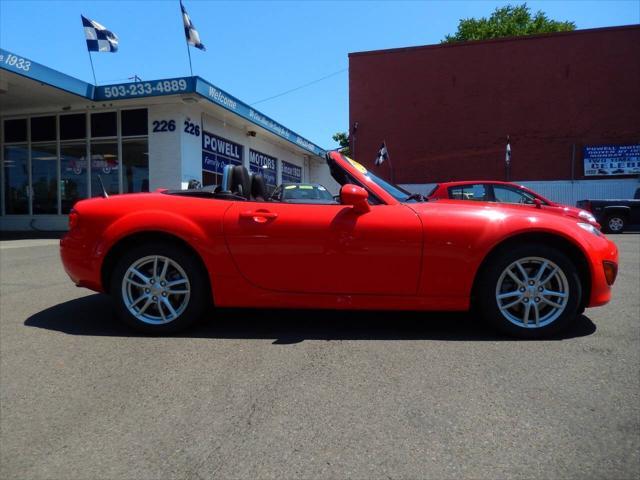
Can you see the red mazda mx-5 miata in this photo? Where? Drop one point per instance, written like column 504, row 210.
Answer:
column 166, row 256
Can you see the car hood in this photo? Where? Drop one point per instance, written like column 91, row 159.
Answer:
column 491, row 210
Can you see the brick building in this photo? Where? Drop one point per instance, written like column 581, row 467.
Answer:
column 568, row 101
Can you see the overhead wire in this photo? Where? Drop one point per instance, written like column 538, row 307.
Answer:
column 301, row 86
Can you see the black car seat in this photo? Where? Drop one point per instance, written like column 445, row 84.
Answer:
column 241, row 182
column 258, row 188
column 232, row 186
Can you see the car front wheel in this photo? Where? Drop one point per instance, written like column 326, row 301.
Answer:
column 159, row 288
column 530, row 291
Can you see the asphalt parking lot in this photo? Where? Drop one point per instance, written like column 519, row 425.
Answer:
column 276, row 394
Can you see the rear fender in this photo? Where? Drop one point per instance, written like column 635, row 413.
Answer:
column 205, row 244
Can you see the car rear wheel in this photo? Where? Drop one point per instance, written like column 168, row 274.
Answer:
column 615, row 223
column 159, row 288
column 530, row 291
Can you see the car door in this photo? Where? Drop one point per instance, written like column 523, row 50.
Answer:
column 324, row 249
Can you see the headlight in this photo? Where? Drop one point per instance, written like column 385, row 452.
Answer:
column 584, row 215
column 590, row 228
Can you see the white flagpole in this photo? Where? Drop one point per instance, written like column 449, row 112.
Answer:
column 507, row 160
column 186, row 38
column 95, row 82
column 393, row 173
column 189, row 54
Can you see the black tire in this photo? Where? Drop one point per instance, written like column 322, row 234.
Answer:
column 191, row 307
column 615, row 223
column 486, row 292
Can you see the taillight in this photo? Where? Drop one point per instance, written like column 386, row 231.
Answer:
column 73, row 219
column 610, row 271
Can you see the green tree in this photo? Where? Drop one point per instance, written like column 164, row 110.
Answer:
column 343, row 140
column 509, row 21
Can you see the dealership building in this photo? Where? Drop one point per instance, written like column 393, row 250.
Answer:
column 569, row 102
column 61, row 137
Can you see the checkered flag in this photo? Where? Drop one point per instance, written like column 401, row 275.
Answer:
column 99, row 39
column 382, row 155
column 193, row 37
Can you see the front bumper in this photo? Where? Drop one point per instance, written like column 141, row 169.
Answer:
column 604, row 250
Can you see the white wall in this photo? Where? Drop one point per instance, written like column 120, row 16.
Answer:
column 569, row 193
column 564, row 191
column 165, row 148
column 319, row 173
column 191, row 145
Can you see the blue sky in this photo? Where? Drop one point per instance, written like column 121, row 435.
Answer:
column 259, row 49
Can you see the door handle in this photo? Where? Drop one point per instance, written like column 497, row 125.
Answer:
column 259, row 216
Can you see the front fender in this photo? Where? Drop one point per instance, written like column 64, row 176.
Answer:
column 459, row 238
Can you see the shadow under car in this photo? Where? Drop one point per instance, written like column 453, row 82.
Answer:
column 94, row 315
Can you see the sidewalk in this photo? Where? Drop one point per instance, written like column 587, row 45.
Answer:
column 29, row 235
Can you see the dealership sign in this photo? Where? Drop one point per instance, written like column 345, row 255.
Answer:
column 170, row 86
column 218, row 152
column 611, row 160
column 265, row 165
column 291, row 173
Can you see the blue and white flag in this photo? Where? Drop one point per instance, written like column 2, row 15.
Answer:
column 382, row 155
column 193, row 38
column 99, row 39
column 507, row 155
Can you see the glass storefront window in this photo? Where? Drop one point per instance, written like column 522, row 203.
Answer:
column 104, row 124
column 16, row 180
column 134, row 122
column 15, row 130
column 38, row 182
column 135, row 162
column 43, row 129
column 44, row 178
column 73, row 127
column 73, row 174
column 104, row 163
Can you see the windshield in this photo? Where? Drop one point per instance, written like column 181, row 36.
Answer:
column 306, row 192
column 395, row 191
column 343, row 177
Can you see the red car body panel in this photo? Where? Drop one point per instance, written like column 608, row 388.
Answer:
column 397, row 256
column 442, row 192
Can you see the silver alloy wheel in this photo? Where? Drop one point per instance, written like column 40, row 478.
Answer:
column 532, row 292
column 155, row 289
column 615, row 224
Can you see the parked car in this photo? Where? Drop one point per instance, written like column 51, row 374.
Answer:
column 165, row 256
column 614, row 215
column 506, row 192
column 302, row 193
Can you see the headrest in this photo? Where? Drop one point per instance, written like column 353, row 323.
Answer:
column 241, row 182
column 258, row 187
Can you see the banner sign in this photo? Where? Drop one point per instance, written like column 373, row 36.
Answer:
column 35, row 71
column 171, row 86
column 219, row 97
column 218, row 152
column 611, row 160
column 264, row 164
column 291, row 173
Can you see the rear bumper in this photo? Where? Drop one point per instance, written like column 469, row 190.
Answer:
column 604, row 250
column 80, row 263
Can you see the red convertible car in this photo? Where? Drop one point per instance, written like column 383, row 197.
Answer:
column 506, row 192
column 166, row 256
